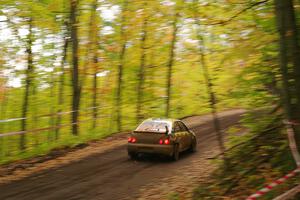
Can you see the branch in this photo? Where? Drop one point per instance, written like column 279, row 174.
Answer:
column 236, row 181
column 244, row 142
column 224, row 22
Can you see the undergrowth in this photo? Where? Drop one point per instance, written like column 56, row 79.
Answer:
column 255, row 158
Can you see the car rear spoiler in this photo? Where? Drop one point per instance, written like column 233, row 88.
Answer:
column 149, row 132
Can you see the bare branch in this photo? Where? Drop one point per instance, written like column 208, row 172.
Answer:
column 224, row 22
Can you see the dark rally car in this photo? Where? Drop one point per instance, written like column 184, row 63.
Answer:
column 161, row 136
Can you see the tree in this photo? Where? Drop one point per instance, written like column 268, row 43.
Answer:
column 94, row 40
column 208, row 80
column 75, row 66
column 61, row 88
column 171, row 58
column 28, row 83
column 141, row 73
column 123, row 41
column 289, row 60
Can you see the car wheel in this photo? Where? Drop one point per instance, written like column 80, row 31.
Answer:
column 133, row 156
column 175, row 156
column 193, row 147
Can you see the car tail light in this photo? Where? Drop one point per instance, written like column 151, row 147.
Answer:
column 164, row 141
column 131, row 139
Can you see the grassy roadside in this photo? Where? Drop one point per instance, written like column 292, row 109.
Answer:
column 252, row 163
column 43, row 143
column 66, row 142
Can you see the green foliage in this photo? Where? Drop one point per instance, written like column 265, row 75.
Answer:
column 257, row 155
column 240, row 58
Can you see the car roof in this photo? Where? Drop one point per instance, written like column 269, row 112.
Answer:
column 162, row 120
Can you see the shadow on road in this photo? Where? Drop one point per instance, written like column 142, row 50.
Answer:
column 154, row 158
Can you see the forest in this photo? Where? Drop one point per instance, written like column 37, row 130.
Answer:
column 73, row 71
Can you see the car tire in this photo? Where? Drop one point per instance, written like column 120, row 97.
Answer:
column 193, row 147
column 175, row 155
column 133, row 156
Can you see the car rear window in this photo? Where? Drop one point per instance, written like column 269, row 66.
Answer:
column 154, row 126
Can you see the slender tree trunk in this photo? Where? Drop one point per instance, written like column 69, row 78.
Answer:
column 91, row 45
column 75, row 67
column 151, row 81
column 170, row 63
column 212, row 97
column 120, row 67
column 52, row 106
column 93, row 52
column 141, row 74
column 28, row 85
column 34, row 111
column 209, row 85
column 95, row 91
column 61, row 87
column 3, row 108
column 119, row 88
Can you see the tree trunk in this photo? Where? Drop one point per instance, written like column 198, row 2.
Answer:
column 120, row 67
column 292, row 37
column 61, row 88
column 95, row 91
column 28, row 85
column 289, row 56
column 91, row 46
column 208, row 81
column 286, row 94
column 75, row 67
column 34, row 112
column 170, row 63
column 141, row 74
column 3, row 109
column 93, row 50
column 52, row 106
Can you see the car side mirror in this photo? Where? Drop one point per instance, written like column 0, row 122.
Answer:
column 167, row 130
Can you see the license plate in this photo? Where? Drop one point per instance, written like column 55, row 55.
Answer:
column 146, row 149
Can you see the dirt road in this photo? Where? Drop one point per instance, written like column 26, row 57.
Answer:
column 110, row 175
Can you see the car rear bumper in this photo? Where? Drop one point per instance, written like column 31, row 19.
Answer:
column 150, row 148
